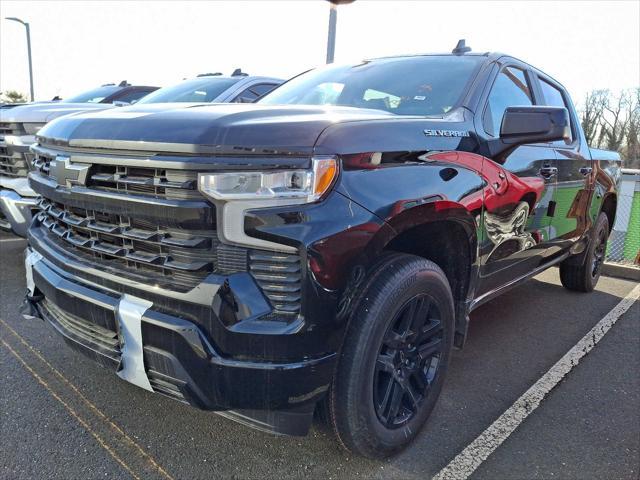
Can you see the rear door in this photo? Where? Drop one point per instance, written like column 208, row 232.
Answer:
column 573, row 190
column 518, row 198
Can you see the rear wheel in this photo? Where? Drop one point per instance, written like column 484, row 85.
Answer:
column 584, row 276
column 395, row 356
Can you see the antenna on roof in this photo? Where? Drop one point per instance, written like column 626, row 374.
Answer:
column 461, row 48
column 239, row 73
column 124, row 83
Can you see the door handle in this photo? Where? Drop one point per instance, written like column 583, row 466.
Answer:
column 548, row 172
column 586, row 171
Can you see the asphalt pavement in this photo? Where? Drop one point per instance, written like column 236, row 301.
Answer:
column 63, row 417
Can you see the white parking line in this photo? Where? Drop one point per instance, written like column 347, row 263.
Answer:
column 12, row 240
column 467, row 461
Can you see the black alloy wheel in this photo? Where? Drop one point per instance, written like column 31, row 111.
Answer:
column 408, row 361
column 394, row 358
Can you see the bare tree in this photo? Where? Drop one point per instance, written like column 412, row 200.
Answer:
column 631, row 152
column 615, row 120
column 592, row 112
column 612, row 121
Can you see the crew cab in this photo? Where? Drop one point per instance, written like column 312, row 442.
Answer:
column 321, row 249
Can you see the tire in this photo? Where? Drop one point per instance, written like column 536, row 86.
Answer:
column 583, row 276
column 389, row 376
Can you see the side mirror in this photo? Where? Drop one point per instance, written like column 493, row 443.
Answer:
column 532, row 124
column 120, row 103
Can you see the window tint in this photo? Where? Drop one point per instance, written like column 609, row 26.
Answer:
column 263, row 88
column 132, row 96
column 420, row 85
column 203, row 89
column 553, row 98
column 246, row 96
column 510, row 89
column 254, row 92
column 93, row 96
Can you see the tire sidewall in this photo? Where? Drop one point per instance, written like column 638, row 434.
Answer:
column 601, row 224
column 434, row 284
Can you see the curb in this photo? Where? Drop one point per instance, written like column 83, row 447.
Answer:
column 621, row 271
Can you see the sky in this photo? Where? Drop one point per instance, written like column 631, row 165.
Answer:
column 80, row 45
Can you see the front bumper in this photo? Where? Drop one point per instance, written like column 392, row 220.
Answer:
column 170, row 355
column 17, row 201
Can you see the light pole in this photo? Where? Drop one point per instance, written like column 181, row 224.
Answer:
column 26, row 26
column 333, row 20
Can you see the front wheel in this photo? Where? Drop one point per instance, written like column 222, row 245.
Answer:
column 583, row 277
column 394, row 358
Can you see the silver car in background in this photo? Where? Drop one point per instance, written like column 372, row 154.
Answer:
column 19, row 125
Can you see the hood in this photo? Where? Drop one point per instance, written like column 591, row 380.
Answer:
column 45, row 112
column 218, row 128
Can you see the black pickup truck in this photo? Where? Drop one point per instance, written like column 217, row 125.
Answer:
column 320, row 250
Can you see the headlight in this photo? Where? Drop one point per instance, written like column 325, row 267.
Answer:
column 236, row 192
column 32, row 128
column 300, row 186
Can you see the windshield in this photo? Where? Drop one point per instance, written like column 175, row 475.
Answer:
column 421, row 85
column 93, row 96
column 196, row 90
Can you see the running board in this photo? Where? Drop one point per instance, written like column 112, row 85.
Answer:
column 514, row 283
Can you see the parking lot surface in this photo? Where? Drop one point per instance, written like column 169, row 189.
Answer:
column 63, row 417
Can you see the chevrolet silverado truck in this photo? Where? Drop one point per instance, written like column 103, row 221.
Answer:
column 322, row 249
column 18, row 127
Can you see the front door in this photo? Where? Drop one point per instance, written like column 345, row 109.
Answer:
column 519, row 195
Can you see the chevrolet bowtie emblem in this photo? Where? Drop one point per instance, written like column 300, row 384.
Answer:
column 67, row 173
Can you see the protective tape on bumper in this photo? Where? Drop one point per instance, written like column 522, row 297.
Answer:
column 31, row 258
column 130, row 311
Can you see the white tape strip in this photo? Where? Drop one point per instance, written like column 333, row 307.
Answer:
column 31, row 258
column 130, row 311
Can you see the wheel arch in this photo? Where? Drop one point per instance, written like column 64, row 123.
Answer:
column 608, row 207
column 446, row 235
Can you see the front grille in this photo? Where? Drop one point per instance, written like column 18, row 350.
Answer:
column 11, row 128
column 155, row 182
column 12, row 164
column 140, row 245
column 153, row 225
column 95, row 337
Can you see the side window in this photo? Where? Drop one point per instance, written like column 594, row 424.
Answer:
column 263, row 88
column 553, row 97
column 246, row 96
column 510, row 89
column 254, row 92
column 133, row 96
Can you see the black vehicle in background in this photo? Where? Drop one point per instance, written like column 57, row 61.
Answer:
column 321, row 249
